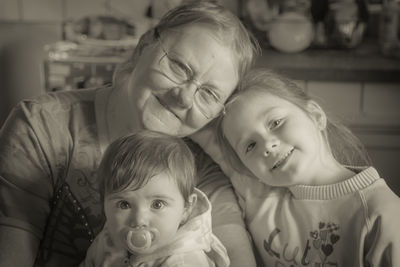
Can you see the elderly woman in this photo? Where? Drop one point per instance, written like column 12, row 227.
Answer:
column 176, row 82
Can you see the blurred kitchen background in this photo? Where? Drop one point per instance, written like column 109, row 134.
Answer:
column 344, row 52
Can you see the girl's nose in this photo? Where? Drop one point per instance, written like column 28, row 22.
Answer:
column 184, row 94
column 270, row 145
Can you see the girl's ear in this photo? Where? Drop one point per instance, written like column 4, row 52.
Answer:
column 191, row 202
column 317, row 114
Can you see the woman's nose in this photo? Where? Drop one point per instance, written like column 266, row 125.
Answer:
column 184, row 94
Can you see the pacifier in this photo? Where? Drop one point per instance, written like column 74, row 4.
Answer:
column 138, row 240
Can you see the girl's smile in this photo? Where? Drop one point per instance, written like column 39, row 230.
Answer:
column 282, row 160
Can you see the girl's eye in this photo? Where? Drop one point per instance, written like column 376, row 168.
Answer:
column 157, row 204
column 275, row 123
column 250, row 147
column 122, row 204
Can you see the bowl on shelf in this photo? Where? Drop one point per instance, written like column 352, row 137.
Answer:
column 291, row 32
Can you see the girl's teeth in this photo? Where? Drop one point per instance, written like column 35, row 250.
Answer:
column 282, row 159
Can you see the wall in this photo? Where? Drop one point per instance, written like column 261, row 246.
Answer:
column 373, row 113
column 27, row 25
column 60, row 10
column 21, row 54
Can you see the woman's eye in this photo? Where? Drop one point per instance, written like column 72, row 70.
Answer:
column 157, row 204
column 123, row 205
column 179, row 71
column 208, row 95
column 250, row 147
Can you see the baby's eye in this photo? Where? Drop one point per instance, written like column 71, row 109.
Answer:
column 275, row 123
column 157, row 204
column 122, row 204
column 250, row 147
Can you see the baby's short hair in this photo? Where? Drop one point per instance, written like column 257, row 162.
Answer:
column 132, row 160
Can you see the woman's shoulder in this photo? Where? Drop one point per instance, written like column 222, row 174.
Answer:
column 59, row 99
column 198, row 152
column 57, row 105
column 53, row 114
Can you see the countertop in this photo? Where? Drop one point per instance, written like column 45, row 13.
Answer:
column 362, row 64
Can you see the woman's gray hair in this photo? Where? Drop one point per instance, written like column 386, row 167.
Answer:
column 222, row 24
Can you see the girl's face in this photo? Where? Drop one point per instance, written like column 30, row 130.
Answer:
column 159, row 101
column 275, row 139
column 157, row 207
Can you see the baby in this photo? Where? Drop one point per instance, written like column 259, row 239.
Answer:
column 154, row 214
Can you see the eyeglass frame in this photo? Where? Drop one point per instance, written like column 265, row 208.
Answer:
column 191, row 79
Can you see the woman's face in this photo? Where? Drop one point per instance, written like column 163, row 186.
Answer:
column 174, row 79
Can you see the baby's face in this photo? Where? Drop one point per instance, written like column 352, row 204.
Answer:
column 276, row 140
column 158, row 208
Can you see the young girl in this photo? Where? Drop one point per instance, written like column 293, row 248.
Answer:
column 154, row 214
column 314, row 204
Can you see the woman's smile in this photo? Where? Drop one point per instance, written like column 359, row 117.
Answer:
column 162, row 103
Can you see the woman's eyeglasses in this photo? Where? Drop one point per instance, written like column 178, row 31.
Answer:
column 205, row 97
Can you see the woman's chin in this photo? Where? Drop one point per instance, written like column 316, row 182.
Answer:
column 170, row 127
column 155, row 124
column 156, row 117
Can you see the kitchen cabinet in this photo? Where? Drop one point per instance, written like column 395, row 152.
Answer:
column 360, row 87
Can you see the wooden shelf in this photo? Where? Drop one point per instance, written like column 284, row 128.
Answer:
column 362, row 64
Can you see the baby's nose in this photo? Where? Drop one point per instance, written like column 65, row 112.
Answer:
column 139, row 218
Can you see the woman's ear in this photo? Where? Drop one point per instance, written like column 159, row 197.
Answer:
column 145, row 40
column 191, row 202
column 317, row 114
column 124, row 70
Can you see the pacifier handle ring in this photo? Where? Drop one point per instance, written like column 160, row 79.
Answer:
column 133, row 247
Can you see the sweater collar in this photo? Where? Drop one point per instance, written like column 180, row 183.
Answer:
column 361, row 180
